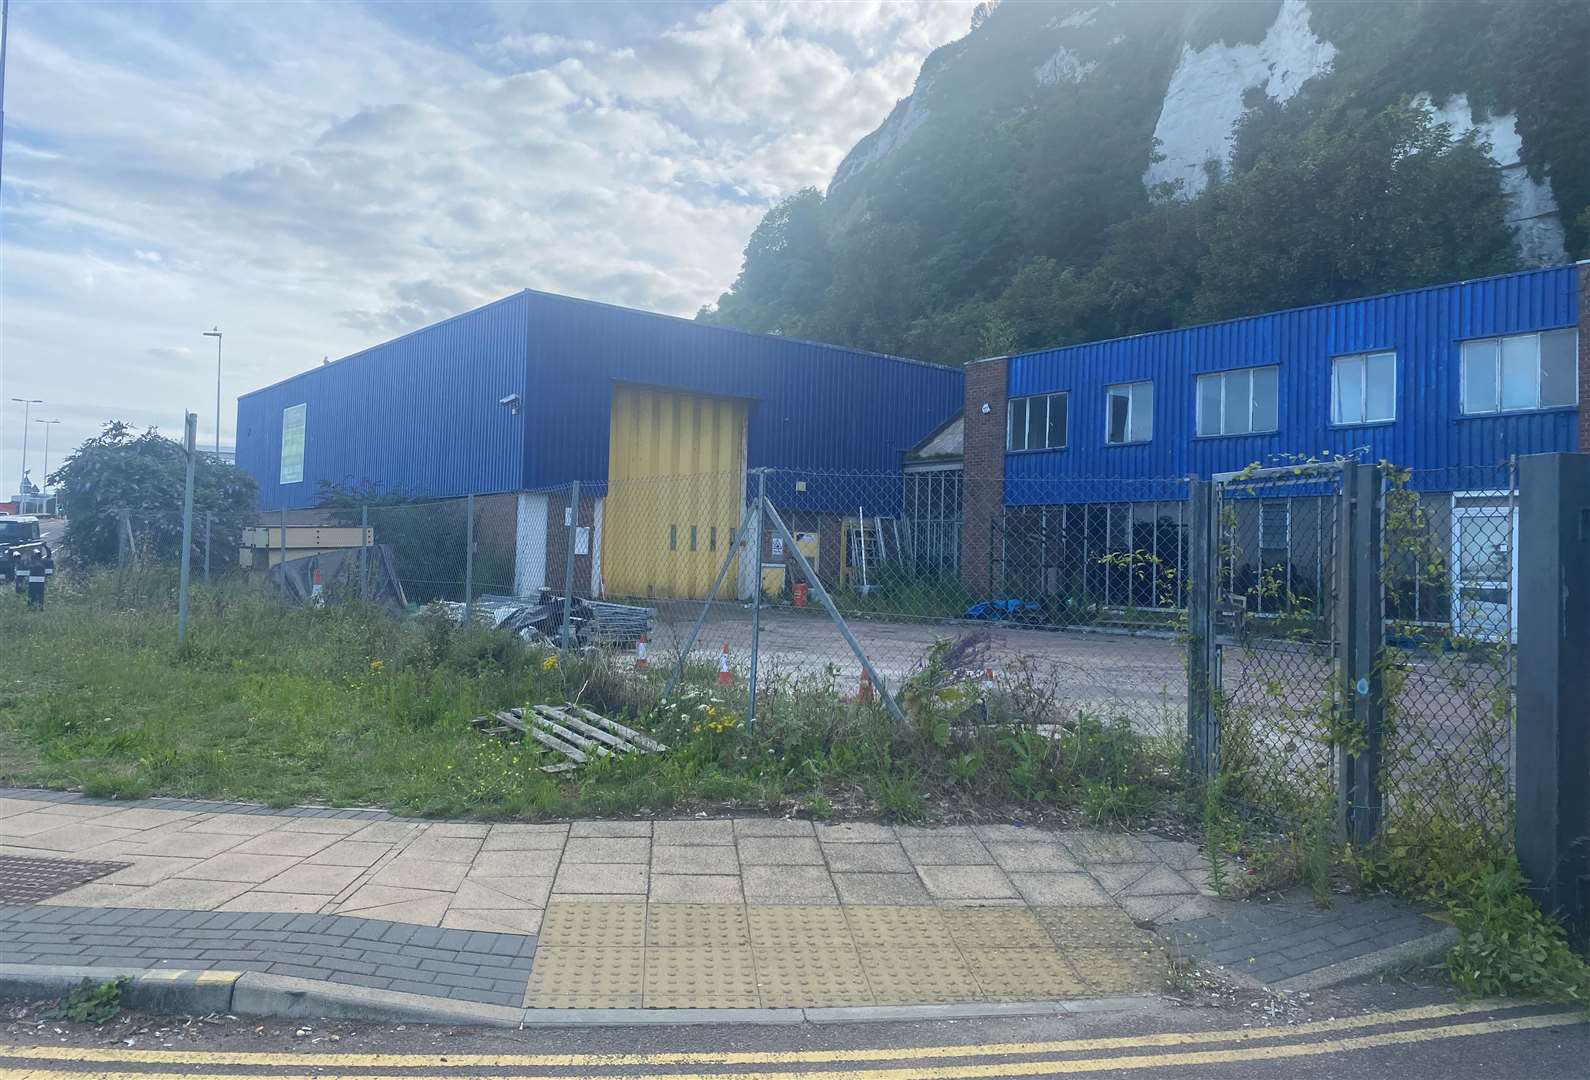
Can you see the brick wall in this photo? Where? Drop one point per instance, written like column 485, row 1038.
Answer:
column 1584, row 356
column 983, row 493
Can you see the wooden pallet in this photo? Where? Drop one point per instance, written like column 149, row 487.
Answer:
column 573, row 731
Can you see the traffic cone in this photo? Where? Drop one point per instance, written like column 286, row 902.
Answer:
column 864, row 691
column 640, row 653
column 988, row 679
column 724, row 678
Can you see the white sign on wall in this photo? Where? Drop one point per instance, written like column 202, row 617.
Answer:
column 293, row 444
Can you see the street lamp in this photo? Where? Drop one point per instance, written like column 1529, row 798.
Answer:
column 215, row 332
column 27, row 404
column 45, row 478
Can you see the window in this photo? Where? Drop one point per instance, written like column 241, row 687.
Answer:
column 1364, row 388
column 1524, row 371
column 292, row 464
column 1275, row 525
column 1129, row 413
column 1037, row 423
column 1237, row 402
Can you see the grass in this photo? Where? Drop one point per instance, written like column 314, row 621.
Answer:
column 351, row 706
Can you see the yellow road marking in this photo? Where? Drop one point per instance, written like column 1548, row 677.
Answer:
column 1277, row 1052
column 802, row 1057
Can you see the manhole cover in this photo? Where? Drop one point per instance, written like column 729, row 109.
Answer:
column 27, row 881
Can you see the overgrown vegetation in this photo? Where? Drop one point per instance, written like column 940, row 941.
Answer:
column 1014, row 216
column 351, row 706
column 144, row 474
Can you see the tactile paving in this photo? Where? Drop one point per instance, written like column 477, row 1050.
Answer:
column 877, row 927
column 696, row 925
column 810, row 977
column 1121, row 971
column 1024, row 974
column 1092, row 927
column 574, row 977
column 594, row 925
column 794, row 927
column 996, row 928
column 918, row 976
column 700, row 978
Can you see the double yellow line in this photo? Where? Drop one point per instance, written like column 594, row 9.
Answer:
column 829, row 1063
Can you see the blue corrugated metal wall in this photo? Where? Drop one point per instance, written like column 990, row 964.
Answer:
column 417, row 415
column 420, row 414
column 1424, row 326
column 813, row 407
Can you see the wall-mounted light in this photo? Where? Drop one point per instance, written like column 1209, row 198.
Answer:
column 987, row 408
column 512, row 401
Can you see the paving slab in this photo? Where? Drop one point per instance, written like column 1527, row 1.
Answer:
column 407, row 871
column 967, row 883
column 1032, row 855
column 703, row 859
column 788, row 885
column 284, row 842
column 946, row 850
column 351, row 853
column 1071, row 889
column 606, row 878
column 693, row 833
column 856, row 832
column 529, row 862
column 696, row 889
column 308, row 878
column 607, row 849
column 610, row 828
column 866, row 858
column 772, row 827
column 780, row 851
column 874, row 888
column 526, row 838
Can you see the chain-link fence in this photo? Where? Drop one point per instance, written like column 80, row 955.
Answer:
column 1337, row 638
column 1450, row 580
column 1276, row 568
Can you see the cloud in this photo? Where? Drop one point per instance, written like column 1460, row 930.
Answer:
column 315, row 179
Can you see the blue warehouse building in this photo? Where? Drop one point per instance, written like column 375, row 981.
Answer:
column 1084, row 449
column 658, row 418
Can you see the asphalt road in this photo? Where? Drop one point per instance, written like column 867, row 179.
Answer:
column 1370, row 1032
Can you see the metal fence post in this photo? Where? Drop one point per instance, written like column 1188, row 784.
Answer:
column 190, row 432
column 207, row 516
column 284, row 549
column 124, row 542
column 469, row 559
column 568, row 565
column 756, row 596
column 1203, row 650
column 364, row 552
column 1364, row 636
column 1553, row 740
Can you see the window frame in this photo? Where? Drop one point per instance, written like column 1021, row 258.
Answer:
column 1026, row 400
column 1131, row 412
column 1363, row 388
column 1498, row 367
column 1224, row 376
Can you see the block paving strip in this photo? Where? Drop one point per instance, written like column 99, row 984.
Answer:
column 1293, row 936
column 469, row 965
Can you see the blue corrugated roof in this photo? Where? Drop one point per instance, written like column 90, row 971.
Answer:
column 400, row 413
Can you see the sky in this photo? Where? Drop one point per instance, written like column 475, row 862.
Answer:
column 316, row 178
